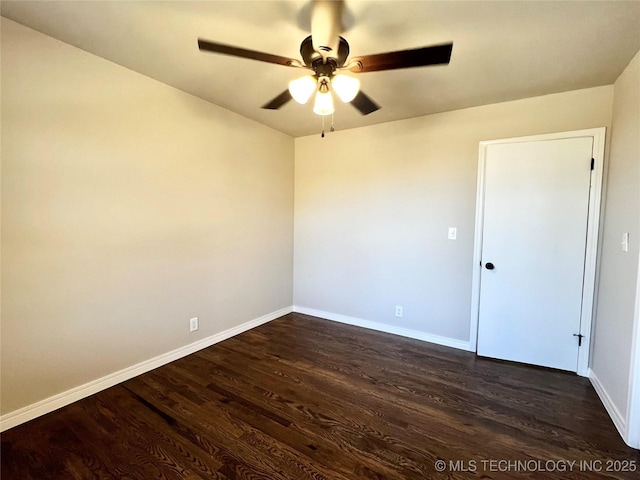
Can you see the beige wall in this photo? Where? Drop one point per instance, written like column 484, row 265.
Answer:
column 619, row 270
column 127, row 208
column 373, row 205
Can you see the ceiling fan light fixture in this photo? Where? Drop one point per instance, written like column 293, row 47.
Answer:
column 345, row 87
column 324, row 103
column 302, row 88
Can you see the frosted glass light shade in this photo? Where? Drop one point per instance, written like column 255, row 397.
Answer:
column 323, row 104
column 345, row 87
column 302, row 88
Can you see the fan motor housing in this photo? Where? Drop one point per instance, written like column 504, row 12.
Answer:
column 312, row 58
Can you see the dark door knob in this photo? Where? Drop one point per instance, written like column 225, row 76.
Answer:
column 489, row 266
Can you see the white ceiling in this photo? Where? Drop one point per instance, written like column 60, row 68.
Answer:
column 502, row 50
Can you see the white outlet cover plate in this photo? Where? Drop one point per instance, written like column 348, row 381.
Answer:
column 193, row 324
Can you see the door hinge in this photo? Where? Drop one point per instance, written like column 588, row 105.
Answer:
column 593, row 163
column 580, row 337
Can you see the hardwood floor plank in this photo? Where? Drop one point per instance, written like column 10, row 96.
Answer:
column 325, row 427
column 147, row 428
column 355, row 426
column 304, row 398
column 302, row 440
column 300, row 388
column 249, row 442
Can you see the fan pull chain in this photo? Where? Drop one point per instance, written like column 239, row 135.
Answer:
column 332, row 129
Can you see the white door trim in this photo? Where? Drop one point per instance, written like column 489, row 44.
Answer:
column 586, row 318
column 633, row 404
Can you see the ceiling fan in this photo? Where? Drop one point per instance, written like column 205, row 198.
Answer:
column 325, row 54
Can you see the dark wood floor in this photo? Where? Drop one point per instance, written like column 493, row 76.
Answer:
column 303, row 398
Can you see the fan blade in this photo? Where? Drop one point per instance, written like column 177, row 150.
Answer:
column 207, row 46
column 279, row 101
column 417, row 57
column 326, row 26
column 364, row 104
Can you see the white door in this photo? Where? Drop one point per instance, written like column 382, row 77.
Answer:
column 534, row 231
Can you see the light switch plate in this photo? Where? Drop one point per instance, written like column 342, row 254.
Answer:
column 453, row 233
column 625, row 242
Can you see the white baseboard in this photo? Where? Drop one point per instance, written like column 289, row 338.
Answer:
column 55, row 402
column 618, row 419
column 383, row 327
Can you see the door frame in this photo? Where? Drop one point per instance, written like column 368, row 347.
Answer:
column 591, row 252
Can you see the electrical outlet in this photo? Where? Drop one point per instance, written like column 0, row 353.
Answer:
column 398, row 311
column 193, row 324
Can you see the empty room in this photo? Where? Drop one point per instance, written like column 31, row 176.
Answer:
column 310, row 239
